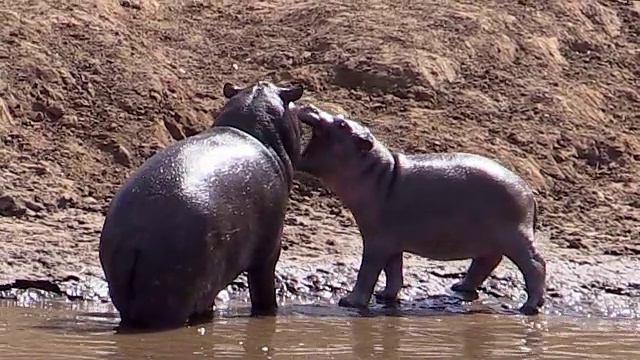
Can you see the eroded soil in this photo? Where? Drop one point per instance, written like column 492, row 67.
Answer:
column 90, row 89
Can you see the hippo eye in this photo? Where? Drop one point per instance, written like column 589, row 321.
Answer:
column 341, row 123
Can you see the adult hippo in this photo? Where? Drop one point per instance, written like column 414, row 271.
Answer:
column 443, row 206
column 203, row 210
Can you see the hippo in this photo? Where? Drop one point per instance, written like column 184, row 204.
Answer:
column 441, row 206
column 202, row 211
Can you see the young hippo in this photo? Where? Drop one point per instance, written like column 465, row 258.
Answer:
column 443, row 206
column 203, row 210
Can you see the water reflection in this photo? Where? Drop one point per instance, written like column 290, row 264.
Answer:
column 377, row 338
column 316, row 332
column 465, row 336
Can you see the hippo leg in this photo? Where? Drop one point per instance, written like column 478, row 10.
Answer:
column 542, row 265
column 478, row 272
column 262, row 288
column 533, row 269
column 393, row 273
column 373, row 261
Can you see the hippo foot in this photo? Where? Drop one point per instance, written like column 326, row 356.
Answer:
column 352, row 301
column 532, row 310
column 386, row 298
column 461, row 286
column 466, row 293
column 529, row 310
column 541, row 302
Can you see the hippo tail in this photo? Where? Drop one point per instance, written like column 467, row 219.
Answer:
column 123, row 293
column 143, row 303
column 132, row 275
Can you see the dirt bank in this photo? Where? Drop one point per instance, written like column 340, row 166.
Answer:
column 89, row 89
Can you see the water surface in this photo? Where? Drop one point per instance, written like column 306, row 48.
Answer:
column 315, row 332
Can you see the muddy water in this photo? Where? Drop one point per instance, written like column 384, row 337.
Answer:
column 314, row 332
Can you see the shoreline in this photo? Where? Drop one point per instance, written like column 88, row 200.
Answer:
column 54, row 255
column 579, row 285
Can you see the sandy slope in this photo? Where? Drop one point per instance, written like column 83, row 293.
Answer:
column 89, row 89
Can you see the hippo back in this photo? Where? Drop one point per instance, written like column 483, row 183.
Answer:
column 193, row 215
column 456, row 187
column 207, row 177
column 463, row 166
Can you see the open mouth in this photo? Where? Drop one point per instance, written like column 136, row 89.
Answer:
column 310, row 143
column 311, row 116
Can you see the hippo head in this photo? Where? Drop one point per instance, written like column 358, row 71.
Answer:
column 266, row 111
column 337, row 145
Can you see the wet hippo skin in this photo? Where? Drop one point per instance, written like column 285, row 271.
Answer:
column 203, row 210
column 443, row 206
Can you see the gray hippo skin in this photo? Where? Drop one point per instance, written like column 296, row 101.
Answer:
column 443, row 206
column 203, row 210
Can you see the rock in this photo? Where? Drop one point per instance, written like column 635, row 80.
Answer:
column 66, row 201
column 34, row 206
column 10, row 206
column 122, row 156
column 55, row 112
column 6, row 120
column 132, row 4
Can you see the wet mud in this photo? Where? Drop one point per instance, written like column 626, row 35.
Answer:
column 571, row 291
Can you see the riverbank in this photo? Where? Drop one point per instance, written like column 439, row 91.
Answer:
column 90, row 89
column 580, row 284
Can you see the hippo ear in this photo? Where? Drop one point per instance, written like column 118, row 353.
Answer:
column 292, row 93
column 230, row 90
column 363, row 143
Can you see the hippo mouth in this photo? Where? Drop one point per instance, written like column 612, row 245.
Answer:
column 310, row 143
column 320, row 122
column 313, row 117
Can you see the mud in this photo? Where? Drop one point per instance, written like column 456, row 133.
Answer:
column 579, row 286
column 90, row 89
